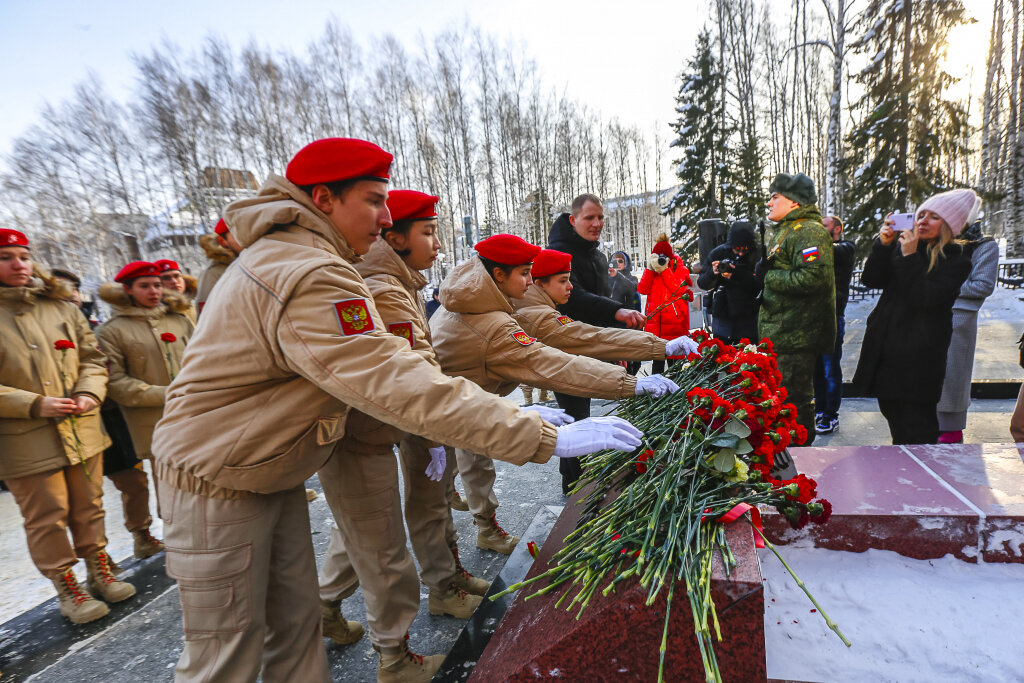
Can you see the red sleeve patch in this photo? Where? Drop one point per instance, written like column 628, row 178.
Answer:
column 403, row 330
column 563, row 320
column 353, row 316
column 523, row 338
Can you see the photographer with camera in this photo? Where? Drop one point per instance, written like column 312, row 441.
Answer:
column 663, row 283
column 728, row 273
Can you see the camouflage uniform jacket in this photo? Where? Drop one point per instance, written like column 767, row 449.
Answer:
column 798, row 306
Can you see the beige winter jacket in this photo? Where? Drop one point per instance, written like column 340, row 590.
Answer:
column 289, row 344
column 32, row 318
column 476, row 337
column 537, row 315
column 220, row 258
column 138, row 359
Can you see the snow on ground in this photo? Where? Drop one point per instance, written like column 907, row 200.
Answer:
column 909, row 620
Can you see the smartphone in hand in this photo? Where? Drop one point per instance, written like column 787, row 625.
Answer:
column 902, row 221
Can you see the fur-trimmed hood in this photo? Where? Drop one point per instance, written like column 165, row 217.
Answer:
column 113, row 293
column 215, row 252
column 42, row 284
column 191, row 285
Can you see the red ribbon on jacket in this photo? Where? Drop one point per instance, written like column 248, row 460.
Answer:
column 737, row 512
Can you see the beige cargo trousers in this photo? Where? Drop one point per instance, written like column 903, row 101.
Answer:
column 368, row 546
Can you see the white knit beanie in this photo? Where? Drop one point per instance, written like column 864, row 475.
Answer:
column 954, row 207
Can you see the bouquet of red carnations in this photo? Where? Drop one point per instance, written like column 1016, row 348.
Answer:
column 706, row 461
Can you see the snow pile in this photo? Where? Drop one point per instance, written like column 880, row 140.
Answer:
column 908, row 620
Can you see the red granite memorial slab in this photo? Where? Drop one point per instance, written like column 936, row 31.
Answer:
column 881, row 498
column 990, row 477
column 617, row 637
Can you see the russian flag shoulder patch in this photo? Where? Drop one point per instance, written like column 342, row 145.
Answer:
column 810, row 254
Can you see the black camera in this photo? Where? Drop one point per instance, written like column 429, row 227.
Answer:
column 663, row 260
column 726, row 265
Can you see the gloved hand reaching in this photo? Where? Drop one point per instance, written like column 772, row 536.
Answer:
column 596, row 434
column 555, row 416
column 656, row 385
column 438, row 462
column 680, row 346
column 763, row 266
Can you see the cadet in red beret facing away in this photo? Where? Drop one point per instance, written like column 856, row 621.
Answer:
column 476, row 337
column 176, row 281
column 539, row 317
column 220, row 248
column 363, row 466
column 144, row 341
column 291, row 343
column 52, row 381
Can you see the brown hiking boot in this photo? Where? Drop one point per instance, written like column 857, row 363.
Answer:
column 75, row 603
column 146, row 545
column 398, row 665
column 336, row 627
column 527, row 395
column 101, row 581
column 490, row 536
column 544, row 396
column 457, row 502
column 453, row 601
column 311, row 495
column 466, row 581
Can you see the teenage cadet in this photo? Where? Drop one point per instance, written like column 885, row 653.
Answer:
column 144, row 341
column 363, row 465
column 539, row 318
column 289, row 345
column 52, row 381
column 175, row 281
column 221, row 248
column 476, row 337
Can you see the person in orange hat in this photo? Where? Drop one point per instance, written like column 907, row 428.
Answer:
column 144, row 341
column 175, row 281
column 291, row 344
column 221, row 249
column 476, row 336
column 53, row 378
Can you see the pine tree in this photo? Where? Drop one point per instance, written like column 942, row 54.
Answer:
column 702, row 170
column 749, row 191
column 898, row 153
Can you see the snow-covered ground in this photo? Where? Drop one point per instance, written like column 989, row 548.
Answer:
column 909, row 620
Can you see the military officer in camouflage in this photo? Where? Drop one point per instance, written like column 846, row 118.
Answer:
column 798, row 303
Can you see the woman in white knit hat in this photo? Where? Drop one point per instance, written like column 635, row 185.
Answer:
column 920, row 271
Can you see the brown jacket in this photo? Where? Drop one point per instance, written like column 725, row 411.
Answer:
column 476, row 337
column 137, row 358
column 32, row 318
column 220, row 258
column 539, row 318
column 281, row 358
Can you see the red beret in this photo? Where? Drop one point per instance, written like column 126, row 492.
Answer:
column 409, row 205
column 137, row 269
column 549, row 262
column 508, row 250
column 12, row 238
column 166, row 264
column 221, row 227
column 333, row 159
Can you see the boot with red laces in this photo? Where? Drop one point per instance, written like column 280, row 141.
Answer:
column 102, row 583
column 146, row 545
column 75, row 603
column 466, row 581
column 490, row 535
column 398, row 665
column 453, row 601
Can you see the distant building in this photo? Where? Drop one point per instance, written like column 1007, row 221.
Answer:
column 632, row 223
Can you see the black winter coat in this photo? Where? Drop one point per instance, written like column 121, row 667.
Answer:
column 589, row 301
column 623, row 285
column 843, row 254
column 903, row 356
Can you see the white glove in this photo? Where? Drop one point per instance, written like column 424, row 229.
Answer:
column 438, row 462
column 655, row 385
column 680, row 346
column 596, row 434
column 555, row 416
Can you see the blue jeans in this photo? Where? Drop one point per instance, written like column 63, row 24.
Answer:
column 828, row 376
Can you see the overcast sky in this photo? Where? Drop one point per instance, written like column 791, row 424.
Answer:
column 620, row 58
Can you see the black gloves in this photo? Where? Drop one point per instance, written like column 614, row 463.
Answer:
column 763, row 266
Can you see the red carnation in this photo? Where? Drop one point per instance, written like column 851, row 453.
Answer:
column 168, row 337
column 63, row 344
column 643, row 458
column 534, row 551
column 820, row 511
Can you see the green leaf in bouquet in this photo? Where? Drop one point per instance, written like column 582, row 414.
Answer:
column 743, row 447
column 726, row 441
column 737, row 427
column 725, row 460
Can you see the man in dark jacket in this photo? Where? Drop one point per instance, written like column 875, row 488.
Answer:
column 578, row 233
column 828, row 372
column 798, row 301
column 728, row 272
